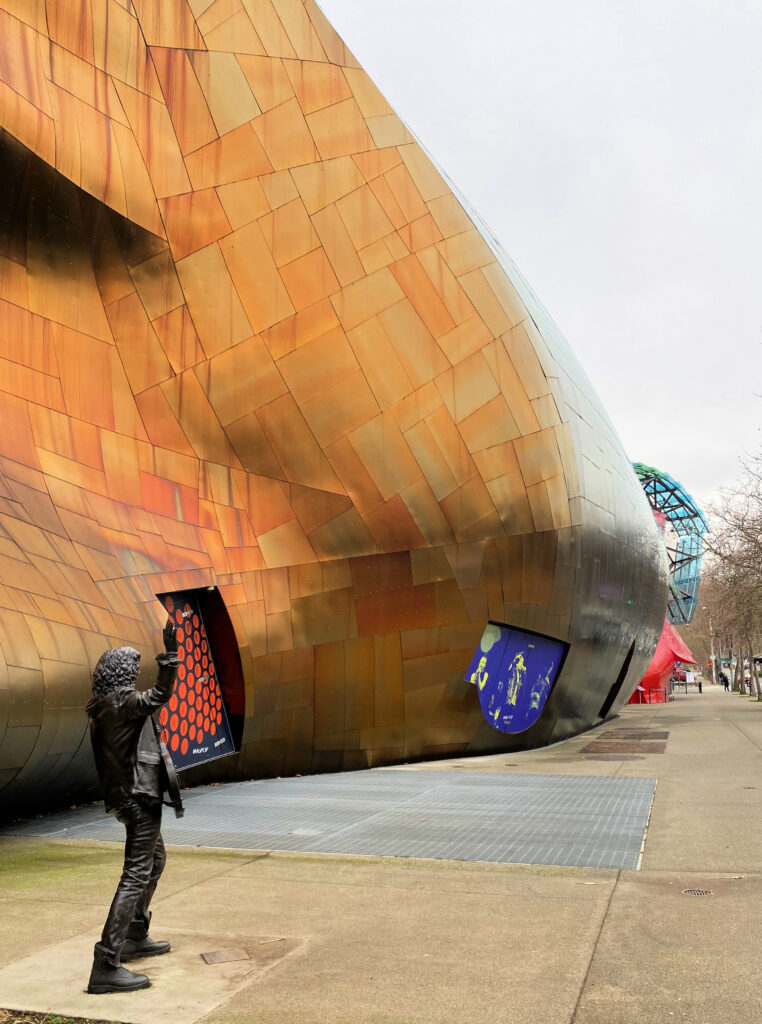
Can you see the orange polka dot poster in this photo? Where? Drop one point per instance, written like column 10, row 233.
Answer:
column 194, row 723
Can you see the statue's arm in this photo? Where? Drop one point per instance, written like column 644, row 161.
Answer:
column 150, row 701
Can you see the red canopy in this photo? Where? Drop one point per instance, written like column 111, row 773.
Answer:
column 671, row 648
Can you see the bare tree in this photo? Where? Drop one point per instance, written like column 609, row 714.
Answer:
column 731, row 592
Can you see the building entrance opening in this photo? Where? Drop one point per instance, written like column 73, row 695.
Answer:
column 618, row 683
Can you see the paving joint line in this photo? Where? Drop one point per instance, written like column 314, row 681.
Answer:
column 583, row 986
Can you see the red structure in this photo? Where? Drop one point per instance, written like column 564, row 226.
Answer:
column 654, row 686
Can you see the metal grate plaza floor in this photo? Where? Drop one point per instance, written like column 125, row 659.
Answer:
column 569, row 820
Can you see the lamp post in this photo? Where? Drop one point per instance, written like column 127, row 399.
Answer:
column 711, row 644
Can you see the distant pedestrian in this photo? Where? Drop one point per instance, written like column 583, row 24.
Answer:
column 725, row 681
column 699, row 685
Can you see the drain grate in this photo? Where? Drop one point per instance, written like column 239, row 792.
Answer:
column 697, row 892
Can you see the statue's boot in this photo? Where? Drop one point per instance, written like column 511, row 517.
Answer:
column 134, row 948
column 105, row 978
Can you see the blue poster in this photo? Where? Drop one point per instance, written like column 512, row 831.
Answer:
column 514, row 672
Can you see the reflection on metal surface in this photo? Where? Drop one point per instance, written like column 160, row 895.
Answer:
column 251, row 339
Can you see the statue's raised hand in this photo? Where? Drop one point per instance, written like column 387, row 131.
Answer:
column 170, row 637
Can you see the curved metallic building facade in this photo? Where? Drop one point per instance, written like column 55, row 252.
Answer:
column 254, row 346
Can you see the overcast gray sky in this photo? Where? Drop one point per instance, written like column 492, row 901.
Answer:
column 615, row 148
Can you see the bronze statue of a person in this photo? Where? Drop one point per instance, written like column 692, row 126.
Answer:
column 136, row 776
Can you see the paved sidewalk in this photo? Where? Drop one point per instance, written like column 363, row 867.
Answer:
column 394, row 940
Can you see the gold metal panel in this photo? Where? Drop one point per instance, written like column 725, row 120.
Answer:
column 235, row 156
column 197, row 418
column 382, row 367
column 300, row 329
column 70, row 24
column 235, row 34
column 451, row 443
column 335, row 48
column 314, row 367
column 31, row 12
column 279, row 188
column 243, row 201
column 309, row 279
column 268, row 80
column 323, row 183
column 420, row 234
column 538, row 456
column 447, row 285
column 354, row 475
column 269, row 28
column 423, row 296
column 388, row 130
column 316, row 85
column 386, row 454
column 256, row 277
column 338, row 246
column 295, row 446
column 213, row 302
column 511, row 387
column 466, row 252
column 240, row 380
column 289, row 232
column 485, row 302
column 186, row 103
column 285, row 137
column 524, row 358
column 340, row 408
column 339, row 130
column 417, row 351
column 193, row 221
column 20, row 65
column 228, row 96
column 300, row 30
column 449, row 215
column 464, row 340
column 170, row 24
column 467, row 387
column 491, row 424
column 156, row 138
column 363, row 216
column 414, row 407
column 376, row 161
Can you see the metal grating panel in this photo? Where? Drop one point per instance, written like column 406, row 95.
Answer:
column 529, row 819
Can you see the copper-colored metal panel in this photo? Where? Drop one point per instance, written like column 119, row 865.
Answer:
column 251, row 339
column 193, row 221
column 213, row 302
column 316, row 85
column 170, row 24
column 235, row 156
column 285, row 137
column 235, row 33
column 268, row 80
column 339, row 130
column 186, row 104
column 228, row 96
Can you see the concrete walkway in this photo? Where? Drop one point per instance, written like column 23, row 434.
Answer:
column 392, row 941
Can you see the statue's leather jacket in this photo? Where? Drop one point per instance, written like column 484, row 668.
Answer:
column 125, row 741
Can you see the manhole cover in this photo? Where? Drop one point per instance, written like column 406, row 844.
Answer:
column 697, row 892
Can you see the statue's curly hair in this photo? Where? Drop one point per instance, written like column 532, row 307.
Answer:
column 117, row 669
